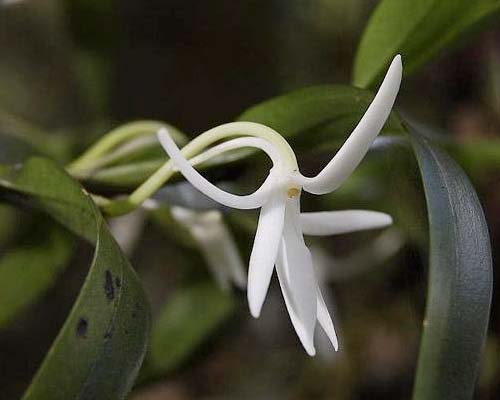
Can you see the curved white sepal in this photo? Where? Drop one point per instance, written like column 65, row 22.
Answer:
column 326, row 223
column 264, row 252
column 254, row 200
column 357, row 144
column 325, row 321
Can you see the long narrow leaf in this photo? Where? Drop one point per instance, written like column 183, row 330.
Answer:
column 189, row 317
column 416, row 29
column 460, row 279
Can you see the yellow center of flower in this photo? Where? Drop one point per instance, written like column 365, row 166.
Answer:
column 292, row 192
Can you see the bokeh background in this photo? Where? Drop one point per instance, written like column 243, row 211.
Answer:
column 77, row 68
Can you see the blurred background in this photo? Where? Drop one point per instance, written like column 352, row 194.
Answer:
column 77, row 68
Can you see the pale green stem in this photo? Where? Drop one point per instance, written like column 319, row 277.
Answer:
column 196, row 146
column 90, row 158
column 129, row 148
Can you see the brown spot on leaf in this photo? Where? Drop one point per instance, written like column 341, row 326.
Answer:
column 108, row 333
column 109, row 288
column 81, row 328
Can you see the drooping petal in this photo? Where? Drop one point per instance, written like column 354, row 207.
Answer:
column 325, row 320
column 296, row 277
column 254, row 200
column 233, row 261
column 325, row 223
column 216, row 244
column 282, row 268
column 265, row 250
column 356, row 146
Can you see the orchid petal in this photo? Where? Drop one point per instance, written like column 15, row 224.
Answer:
column 325, row 321
column 325, row 223
column 306, row 340
column 264, row 251
column 254, row 200
column 216, row 244
column 357, row 144
column 296, row 277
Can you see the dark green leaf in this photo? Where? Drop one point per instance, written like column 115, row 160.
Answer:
column 187, row 319
column 100, row 348
column 27, row 271
column 43, row 185
column 415, row 29
column 479, row 156
column 460, row 279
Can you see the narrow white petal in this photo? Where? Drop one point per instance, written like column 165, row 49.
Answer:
column 264, row 251
column 325, row 223
column 325, row 321
column 282, row 269
column 254, row 200
column 297, row 280
column 358, row 143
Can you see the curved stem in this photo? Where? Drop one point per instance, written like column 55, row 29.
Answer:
column 89, row 159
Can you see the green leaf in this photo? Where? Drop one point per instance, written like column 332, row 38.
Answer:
column 186, row 320
column 27, row 271
column 100, row 347
column 479, row 156
column 460, row 279
column 317, row 114
column 415, row 29
column 43, row 185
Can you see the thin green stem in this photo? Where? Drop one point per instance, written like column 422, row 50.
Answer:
column 91, row 158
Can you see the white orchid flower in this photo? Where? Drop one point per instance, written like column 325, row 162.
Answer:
column 279, row 238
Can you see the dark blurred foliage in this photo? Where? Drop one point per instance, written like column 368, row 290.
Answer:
column 79, row 67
